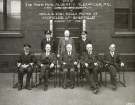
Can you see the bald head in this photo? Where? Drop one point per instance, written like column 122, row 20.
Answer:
column 66, row 33
column 69, row 47
column 48, row 47
column 89, row 47
column 112, row 47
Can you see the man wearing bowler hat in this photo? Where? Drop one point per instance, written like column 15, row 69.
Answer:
column 48, row 39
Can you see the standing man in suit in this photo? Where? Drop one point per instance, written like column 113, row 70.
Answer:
column 47, row 62
column 113, row 63
column 82, row 49
column 83, row 42
column 64, row 41
column 48, row 39
column 25, row 63
column 91, row 64
column 69, row 60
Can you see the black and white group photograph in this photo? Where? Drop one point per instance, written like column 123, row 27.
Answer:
column 67, row 52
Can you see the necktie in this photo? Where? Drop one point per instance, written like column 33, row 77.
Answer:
column 69, row 53
column 112, row 54
column 89, row 53
column 48, row 39
column 47, row 53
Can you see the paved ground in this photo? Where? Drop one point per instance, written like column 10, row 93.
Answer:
column 59, row 96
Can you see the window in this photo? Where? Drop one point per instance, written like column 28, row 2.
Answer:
column 10, row 15
column 1, row 14
column 124, row 15
column 133, row 15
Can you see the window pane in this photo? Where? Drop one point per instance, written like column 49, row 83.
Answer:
column 133, row 5
column 122, row 3
column 1, row 14
column 1, row 6
column 133, row 14
column 121, row 18
column 14, row 14
column 13, row 22
column 133, row 21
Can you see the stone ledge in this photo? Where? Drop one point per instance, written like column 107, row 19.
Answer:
column 10, row 34
column 124, row 34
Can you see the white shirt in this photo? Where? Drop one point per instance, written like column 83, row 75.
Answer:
column 48, row 39
column 112, row 53
column 89, row 53
column 69, row 53
column 47, row 53
column 84, row 39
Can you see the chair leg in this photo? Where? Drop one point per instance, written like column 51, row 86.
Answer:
column 100, row 81
column 77, row 78
column 124, row 79
column 32, row 83
column 123, row 82
column 59, row 78
column 105, row 78
column 55, row 78
column 119, row 76
column 13, row 82
column 36, row 78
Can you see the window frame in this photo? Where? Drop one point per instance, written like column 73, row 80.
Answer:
column 129, row 32
column 5, row 32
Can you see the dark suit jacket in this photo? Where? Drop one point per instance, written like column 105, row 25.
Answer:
column 69, row 60
column 90, row 59
column 47, row 59
column 115, row 60
column 82, row 46
column 26, row 59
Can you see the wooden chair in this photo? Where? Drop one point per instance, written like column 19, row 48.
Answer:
column 120, row 75
column 54, row 74
column 15, row 79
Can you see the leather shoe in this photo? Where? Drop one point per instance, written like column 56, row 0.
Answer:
column 95, row 91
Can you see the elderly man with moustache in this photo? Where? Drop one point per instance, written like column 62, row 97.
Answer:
column 47, row 63
column 69, row 61
column 113, row 63
column 91, row 63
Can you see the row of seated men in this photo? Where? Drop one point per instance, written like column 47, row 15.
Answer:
column 89, row 63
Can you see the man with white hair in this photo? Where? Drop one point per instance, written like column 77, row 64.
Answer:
column 113, row 63
column 91, row 63
column 64, row 41
column 69, row 60
column 47, row 62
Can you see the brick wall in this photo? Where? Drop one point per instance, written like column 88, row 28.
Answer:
column 100, row 30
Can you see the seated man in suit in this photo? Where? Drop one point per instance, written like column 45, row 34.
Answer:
column 91, row 64
column 64, row 41
column 47, row 62
column 69, row 60
column 48, row 40
column 24, row 64
column 113, row 63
